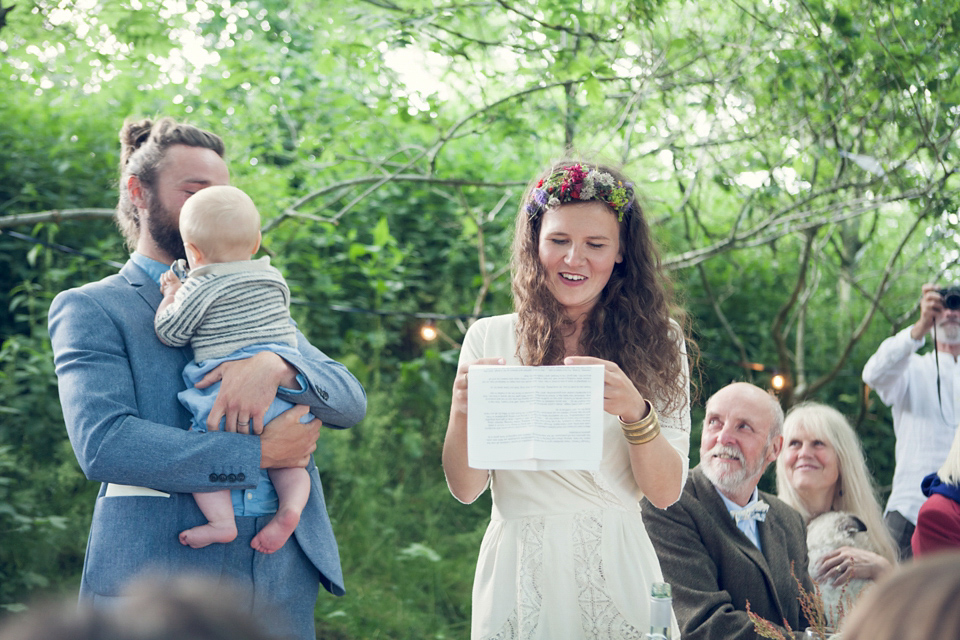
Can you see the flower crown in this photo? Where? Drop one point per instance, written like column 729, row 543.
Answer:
column 578, row 183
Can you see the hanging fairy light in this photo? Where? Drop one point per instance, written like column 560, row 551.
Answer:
column 778, row 381
column 428, row 331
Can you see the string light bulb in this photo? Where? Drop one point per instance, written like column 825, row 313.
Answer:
column 428, row 332
column 778, row 381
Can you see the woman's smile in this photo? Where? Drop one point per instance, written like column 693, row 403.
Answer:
column 579, row 247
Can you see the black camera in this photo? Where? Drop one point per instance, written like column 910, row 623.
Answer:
column 951, row 297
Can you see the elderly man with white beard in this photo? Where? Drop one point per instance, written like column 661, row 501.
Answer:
column 725, row 545
column 923, row 392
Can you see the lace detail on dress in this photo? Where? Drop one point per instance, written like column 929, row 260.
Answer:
column 605, row 491
column 598, row 613
column 523, row 621
column 509, row 629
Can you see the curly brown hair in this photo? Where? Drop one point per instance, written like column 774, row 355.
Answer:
column 630, row 325
column 143, row 146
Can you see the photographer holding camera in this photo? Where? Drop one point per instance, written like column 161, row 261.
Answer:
column 924, row 394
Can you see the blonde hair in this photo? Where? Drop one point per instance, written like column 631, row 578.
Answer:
column 916, row 600
column 950, row 471
column 854, row 491
column 222, row 221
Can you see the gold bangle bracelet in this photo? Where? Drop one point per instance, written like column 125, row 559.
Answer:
column 643, row 422
column 640, row 433
column 643, row 430
column 645, row 438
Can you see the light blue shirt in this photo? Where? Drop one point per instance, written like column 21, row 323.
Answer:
column 262, row 499
column 153, row 268
column 749, row 526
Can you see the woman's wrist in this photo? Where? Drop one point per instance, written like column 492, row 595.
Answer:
column 645, row 409
column 643, row 430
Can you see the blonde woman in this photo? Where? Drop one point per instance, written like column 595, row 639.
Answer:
column 821, row 468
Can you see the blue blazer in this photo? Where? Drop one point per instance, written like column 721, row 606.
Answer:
column 118, row 389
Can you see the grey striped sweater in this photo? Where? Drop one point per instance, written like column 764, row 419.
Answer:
column 227, row 306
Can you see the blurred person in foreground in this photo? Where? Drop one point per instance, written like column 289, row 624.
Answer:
column 726, row 546
column 151, row 608
column 916, row 601
column 565, row 554
column 924, row 394
column 118, row 389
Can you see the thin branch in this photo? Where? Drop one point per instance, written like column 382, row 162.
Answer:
column 55, row 215
column 292, row 210
column 556, row 27
column 486, row 277
column 776, row 330
column 868, row 315
column 775, row 227
column 722, row 317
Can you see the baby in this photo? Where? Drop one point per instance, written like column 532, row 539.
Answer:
column 230, row 307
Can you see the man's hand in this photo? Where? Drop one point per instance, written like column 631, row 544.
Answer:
column 931, row 306
column 247, row 387
column 285, row 442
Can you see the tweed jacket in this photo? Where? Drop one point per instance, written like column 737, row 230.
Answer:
column 118, row 389
column 714, row 569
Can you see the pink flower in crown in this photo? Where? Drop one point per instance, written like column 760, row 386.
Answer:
column 575, row 176
column 576, row 173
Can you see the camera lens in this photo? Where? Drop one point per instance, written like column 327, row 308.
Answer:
column 951, row 297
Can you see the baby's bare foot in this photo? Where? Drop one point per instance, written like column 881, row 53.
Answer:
column 210, row 533
column 277, row 532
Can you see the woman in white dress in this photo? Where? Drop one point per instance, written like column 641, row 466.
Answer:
column 566, row 554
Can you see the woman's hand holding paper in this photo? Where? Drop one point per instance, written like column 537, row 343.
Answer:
column 620, row 396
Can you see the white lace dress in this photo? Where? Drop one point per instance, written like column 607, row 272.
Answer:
column 566, row 554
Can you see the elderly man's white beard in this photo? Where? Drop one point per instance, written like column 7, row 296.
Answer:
column 948, row 332
column 729, row 481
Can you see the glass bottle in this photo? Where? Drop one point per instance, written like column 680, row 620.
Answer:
column 661, row 611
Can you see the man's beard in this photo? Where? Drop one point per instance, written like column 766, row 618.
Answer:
column 948, row 333
column 166, row 235
column 729, row 481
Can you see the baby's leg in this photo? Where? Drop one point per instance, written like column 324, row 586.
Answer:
column 217, row 506
column 293, row 491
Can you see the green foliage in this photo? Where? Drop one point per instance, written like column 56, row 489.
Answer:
column 45, row 502
column 61, row 157
column 414, row 569
column 387, row 145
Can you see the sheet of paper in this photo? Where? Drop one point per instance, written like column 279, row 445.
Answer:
column 126, row 490
column 535, row 417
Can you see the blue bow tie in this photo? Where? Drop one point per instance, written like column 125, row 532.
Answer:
column 757, row 511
